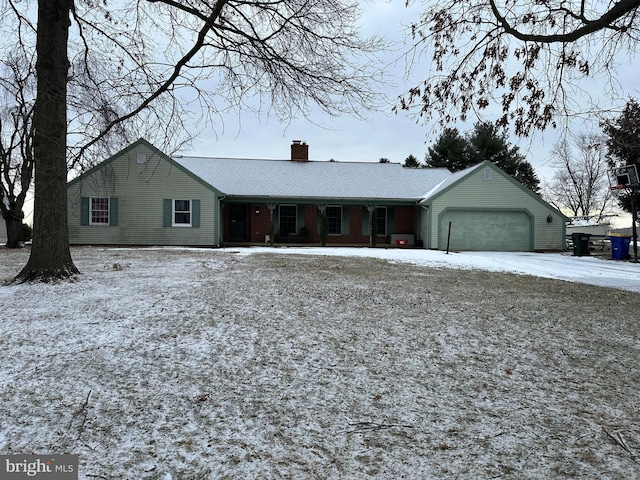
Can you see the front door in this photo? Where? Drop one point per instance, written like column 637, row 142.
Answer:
column 238, row 223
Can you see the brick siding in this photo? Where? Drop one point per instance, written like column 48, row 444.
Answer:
column 258, row 219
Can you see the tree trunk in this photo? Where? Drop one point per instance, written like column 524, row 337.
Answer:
column 14, row 231
column 50, row 255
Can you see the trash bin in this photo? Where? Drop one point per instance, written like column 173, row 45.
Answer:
column 619, row 246
column 580, row 244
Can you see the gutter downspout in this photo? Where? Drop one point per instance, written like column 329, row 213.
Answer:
column 371, row 209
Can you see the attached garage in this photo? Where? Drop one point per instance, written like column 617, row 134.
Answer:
column 488, row 210
column 493, row 230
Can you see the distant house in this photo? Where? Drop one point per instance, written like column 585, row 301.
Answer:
column 141, row 196
column 594, row 229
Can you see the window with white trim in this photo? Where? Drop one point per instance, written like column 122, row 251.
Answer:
column 334, row 220
column 182, row 213
column 99, row 211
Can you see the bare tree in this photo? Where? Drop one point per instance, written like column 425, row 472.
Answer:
column 90, row 110
column 526, row 58
column 17, row 91
column 282, row 56
column 580, row 184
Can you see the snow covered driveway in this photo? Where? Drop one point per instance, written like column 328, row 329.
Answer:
column 197, row 364
column 590, row 270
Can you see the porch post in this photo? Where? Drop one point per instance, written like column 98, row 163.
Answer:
column 323, row 223
column 373, row 233
column 272, row 225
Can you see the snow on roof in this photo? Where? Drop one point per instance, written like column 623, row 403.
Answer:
column 581, row 222
column 286, row 178
column 450, row 180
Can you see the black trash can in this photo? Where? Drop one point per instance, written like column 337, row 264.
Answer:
column 580, row 244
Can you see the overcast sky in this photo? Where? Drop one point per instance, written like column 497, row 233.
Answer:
column 345, row 138
column 382, row 134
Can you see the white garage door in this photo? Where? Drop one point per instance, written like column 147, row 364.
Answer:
column 502, row 231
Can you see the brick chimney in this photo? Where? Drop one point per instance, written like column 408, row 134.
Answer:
column 299, row 151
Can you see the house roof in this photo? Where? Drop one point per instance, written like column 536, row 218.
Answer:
column 450, row 180
column 457, row 177
column 314, row 180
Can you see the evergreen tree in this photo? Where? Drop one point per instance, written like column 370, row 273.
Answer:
column 449, row 152
column 411, row 162
column 485, row 142
column 488, row 142
column 623, row 143
column 526, row 175
column 623, row 136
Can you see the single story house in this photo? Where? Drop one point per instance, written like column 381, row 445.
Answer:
column 141, row 196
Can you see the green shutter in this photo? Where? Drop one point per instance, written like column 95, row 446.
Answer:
column 195, row 213
column 84, row 211
column 113, row 212
column 167, row 212
column 390, row 220
column 345, row 220
column 366, row 225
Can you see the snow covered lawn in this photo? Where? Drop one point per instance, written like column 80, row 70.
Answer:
column 292, row 363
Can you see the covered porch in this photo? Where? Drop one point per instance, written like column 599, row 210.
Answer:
column 247, row 223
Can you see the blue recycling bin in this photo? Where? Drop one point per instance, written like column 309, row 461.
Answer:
column 619, row 246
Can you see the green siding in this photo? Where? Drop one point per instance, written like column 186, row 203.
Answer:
column 423, row 226
column 497, row 192
column 138, row 192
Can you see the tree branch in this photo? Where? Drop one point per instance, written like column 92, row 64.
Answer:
column 166, row 85
column 605, row 21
